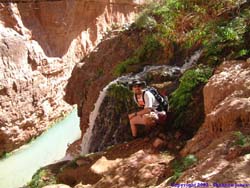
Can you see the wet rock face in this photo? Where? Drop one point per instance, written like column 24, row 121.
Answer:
column 40, row 44
column 227, row 104
column 111, row 126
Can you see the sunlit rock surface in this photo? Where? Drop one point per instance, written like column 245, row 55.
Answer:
column 227, row 104
column 132, row 164
column 40, row 43
column 223, row 161
column 139, row 170
column 220, row 143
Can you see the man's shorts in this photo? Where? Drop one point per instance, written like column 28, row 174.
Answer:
column 155, row 117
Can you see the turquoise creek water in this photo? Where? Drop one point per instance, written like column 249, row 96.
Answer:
column 17, row 169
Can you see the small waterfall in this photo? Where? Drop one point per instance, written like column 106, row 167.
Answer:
column 168, row 70
column 191, row 61
column 86, row 140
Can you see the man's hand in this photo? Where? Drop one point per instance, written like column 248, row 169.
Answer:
column 132, row 115
column 140, row 113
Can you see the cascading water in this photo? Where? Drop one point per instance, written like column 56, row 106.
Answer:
column 191, row 61
column 87, row 136
column 171, row 71
column 86, row 140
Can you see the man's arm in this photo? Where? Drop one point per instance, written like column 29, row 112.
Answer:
column 148, row 99
column 140, row 113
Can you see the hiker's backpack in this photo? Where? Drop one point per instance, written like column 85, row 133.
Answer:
column 162, row 100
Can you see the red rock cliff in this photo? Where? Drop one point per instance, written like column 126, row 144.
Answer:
column 222, row 158
column 227, row 105
column 40, row 43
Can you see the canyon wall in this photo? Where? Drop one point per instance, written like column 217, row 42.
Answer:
column 221, row 143
column 40, row 43
column 226, row 103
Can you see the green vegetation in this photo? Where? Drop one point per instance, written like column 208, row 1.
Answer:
column 181, row 165
column 122, row 97
column 228, row 39
column 119, row 92
column 5, row 155
column 147, row 51
column 188, row 82
column 42, row 178
column 123, row 66
column 182, row 96
column 219, row 27
column 72, row 164
column 242, row 140
column 145, row 21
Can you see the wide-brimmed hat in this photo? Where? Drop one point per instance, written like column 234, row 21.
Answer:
column 137, row 83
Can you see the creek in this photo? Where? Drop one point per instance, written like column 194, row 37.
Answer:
column 17, row 169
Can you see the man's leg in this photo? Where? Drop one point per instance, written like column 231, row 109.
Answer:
column 134, row 121
column 150, row 119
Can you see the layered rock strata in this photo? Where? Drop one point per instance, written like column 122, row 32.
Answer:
column 222, row 143
column 40, row 43
column 223, row 163
column 227, row 104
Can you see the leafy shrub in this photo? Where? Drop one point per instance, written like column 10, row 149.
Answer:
column 145, row 21
column 188, row 22
column 227, row 39
column 168, row 9
column 147, row 51
column 189, row 160
column 123, row 66
column 5, row 155
column 119, row 92
column 181, row 165
column 42, row 178
column 195, row 35
column 122, row 96
column 181, row 97
column 242, row 140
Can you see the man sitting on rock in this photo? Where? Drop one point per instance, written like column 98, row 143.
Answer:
column 150, row 115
